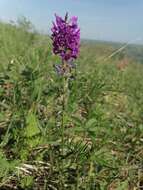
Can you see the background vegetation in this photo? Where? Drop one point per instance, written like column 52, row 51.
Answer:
column 103, row 120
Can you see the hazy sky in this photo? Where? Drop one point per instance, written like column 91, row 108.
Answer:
column 116, row 20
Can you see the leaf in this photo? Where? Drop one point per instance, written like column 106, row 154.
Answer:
column 141, row 127
column 123, row 186
column 90, row 123
column 32, row 128
column 77, row 121
column 26, row 181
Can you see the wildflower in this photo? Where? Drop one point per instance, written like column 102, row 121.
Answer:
column 66, row 37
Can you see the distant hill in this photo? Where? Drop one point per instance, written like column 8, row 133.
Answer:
column 106, row 48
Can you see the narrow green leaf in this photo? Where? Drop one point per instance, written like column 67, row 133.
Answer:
column 32, row 128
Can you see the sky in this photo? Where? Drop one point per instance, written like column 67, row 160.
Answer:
column 111, row 20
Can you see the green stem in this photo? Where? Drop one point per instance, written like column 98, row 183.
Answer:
column 63, row 128
column 63, row 114
column 64, row 102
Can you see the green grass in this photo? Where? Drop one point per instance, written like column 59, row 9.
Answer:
column 103, row 118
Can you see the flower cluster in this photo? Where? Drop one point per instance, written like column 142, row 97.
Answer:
column 66, row 37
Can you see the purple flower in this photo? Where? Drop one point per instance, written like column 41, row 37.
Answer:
column 66, row 37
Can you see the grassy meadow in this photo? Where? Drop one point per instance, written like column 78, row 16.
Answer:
column 101, row 146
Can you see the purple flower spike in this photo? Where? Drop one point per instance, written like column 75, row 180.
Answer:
column 66, row 37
